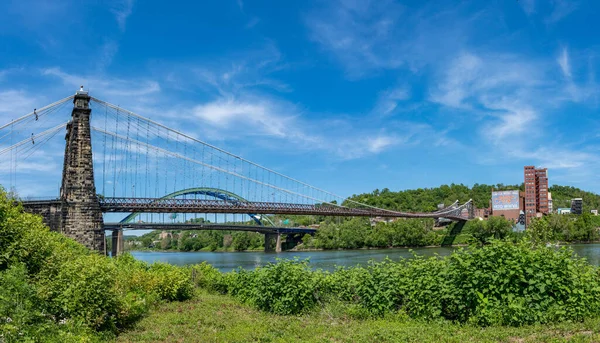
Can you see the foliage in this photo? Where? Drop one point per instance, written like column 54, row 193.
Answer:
column 208, row 277
column 501, row 283
column 483, row 231
column 358, row 233
column 57, row 290
column 286, row 287
column 197, row 240
column 559, row 227
column 171, row 282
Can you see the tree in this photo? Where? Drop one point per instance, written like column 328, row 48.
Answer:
column 479, row 230
column 241, row 241
column 539, row 232
column 499, row 227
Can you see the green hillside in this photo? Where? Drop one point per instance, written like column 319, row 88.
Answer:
column 426, row 199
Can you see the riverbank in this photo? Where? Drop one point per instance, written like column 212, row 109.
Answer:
column 324, row 259
column 220, row 318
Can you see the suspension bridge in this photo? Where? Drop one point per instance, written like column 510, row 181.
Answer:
column 119, row 164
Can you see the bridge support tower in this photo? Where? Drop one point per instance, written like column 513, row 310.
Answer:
column 81, row 213
column 271, row 238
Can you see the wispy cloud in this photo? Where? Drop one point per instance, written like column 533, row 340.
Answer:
column 358, row 33
column 388, row 100
column 233, row 76
column 259, row 116
column 106, row 85
column 107, row 52
column 15, row 103
column 561, row 9
column 509, row 94
column 563, row 61
column 122, row 9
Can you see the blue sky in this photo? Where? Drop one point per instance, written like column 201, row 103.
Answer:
column 348, row 96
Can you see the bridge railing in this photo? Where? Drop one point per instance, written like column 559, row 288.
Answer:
column 176, row 205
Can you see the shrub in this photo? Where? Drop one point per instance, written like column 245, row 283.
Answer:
column 46, row 278
column 171, row 282
column 208, row 277
column 286, row 287
column 516, row 284
column 502, row 283
column 83, row 290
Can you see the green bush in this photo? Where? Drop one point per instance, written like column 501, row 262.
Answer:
column 516, row 284
column 501, row 283
column 83, row 290
column 54, row 289
column 171, row 282
column 208, row 277
column 286, row 287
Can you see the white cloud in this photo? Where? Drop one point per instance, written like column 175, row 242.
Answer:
column 561, row 9
column 284, row 125
column 563, row 61
column 106, row 85
column 358, row 33
column 259, row 116
column 234, row 76
column 378, row 144
column 388, row 100
column 108, row 51
column 471, row 78
column 16, row 102
column 122, row 10
column 510, row 122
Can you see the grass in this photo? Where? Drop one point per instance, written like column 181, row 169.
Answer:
column 220, row 318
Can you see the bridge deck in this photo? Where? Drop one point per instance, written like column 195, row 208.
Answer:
column 153, row 205
column 175, row 205
column 202, row 226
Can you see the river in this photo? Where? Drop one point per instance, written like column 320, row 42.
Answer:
column 328, row 259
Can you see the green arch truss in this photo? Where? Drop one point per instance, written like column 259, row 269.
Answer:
column 213, row 192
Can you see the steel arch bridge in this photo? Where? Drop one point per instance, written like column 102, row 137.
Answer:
column 208, row 191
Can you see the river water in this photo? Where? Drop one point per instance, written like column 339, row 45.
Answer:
column 226, row 261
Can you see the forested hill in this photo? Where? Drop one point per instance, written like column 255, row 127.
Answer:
column 426, row 199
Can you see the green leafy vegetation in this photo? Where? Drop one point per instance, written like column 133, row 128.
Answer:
column 566, row 228
column 54, row 289
column 502, row 283
column 358, row 233
column 198, row 240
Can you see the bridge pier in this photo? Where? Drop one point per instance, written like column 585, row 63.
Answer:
column 118, row 246
column 269, row 238
column 82, row 216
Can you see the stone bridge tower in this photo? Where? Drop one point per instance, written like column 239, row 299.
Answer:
column 81, row 214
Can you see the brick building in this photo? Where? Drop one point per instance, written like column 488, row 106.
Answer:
column 537, row 198
column 508, row 204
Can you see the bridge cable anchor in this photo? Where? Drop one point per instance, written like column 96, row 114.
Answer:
column 32, row 140
column 36, row 115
